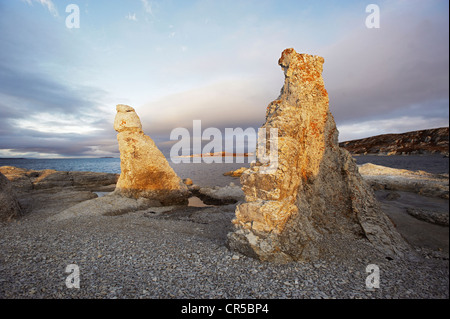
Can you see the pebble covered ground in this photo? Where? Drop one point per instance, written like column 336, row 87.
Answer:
column 146, row 255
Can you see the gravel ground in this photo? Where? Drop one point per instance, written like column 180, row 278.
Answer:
column 183, row 255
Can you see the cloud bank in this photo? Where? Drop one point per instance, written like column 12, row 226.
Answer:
column 212, row 62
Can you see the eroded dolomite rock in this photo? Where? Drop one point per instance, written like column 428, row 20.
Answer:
column 316, row 194
column 9, row 207
column 145, row 171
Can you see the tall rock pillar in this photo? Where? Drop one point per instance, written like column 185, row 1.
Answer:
column 316, row 194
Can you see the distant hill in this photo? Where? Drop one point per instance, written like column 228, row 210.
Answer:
column 431, row 141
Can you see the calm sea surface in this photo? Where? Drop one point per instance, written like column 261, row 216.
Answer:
column 212, row 174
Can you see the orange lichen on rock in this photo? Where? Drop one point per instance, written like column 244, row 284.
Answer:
column 286, row 213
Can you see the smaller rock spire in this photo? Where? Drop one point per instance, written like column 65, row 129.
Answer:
column 145, row 171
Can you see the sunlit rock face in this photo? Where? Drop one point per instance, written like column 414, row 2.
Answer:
column 316, row 193
column 145, row 171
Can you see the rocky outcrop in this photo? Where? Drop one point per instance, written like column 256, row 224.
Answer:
column 24, row 180
column 229, row 194
column 431, row 141
column 316, row 194
column 39, row 191
column 420, row 182
column 9, row 207
column 145, row 171
column 236, row 173
column 429, row 216
column 109, row 205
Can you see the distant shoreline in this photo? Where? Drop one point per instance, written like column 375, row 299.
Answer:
column 422, row 142
column 219, row 154
column 432, row 163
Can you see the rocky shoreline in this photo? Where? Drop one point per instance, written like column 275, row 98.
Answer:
column 305, row 222
column 180, row 251
column 386, row 178
column 430, row 141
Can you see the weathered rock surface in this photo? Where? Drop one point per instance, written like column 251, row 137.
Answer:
column 49, row 190
column 429, row 216
column 145, row 171
column 316, row 194
column 420, row 182
column 221, row 195
column 25, row 180
column 9, row 207
column 431, row 141
column 236, row 173
column 109, row 205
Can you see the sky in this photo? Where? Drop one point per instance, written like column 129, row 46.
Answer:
column 214, row 61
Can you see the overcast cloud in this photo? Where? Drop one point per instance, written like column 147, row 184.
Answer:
column 176, row 62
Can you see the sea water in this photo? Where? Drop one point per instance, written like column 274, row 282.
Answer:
column 212, row 174
column 200, row 173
